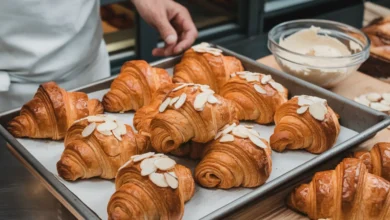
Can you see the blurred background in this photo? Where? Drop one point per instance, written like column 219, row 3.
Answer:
column 239, row 25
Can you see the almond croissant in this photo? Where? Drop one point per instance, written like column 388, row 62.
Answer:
column 158, row 195
column 134, row 87
column 238, row 158
column 377, row 160
column 256, row 96
column 189, row 112
column 97, row 146
column 206, row 68
column 51, row 112
column 305, row 122
column 349, row 192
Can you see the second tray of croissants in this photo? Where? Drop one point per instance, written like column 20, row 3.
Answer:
column 196, row 114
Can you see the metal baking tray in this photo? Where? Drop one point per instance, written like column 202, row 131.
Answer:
column 364, row 121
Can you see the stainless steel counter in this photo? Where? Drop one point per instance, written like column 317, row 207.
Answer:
column 22, row 196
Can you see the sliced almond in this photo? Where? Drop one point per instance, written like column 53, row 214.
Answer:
column 252, row 78
column 254, row 132
column 147, row 166
column 117, row 134
column 181, row 101
column 159, row 155
column 110, row 117
column 374, row 97
column 242, row 76
column 302, row 101
column 212, row 99
column 173, row 100
column 121, row 127
column 277, row 86
column 204, row 87
column 219, row 134
column 384, row 102
column 257, row 141
column 302, row 110
column 242, row 73
column 380, row 107
column 248, row 126
column 140, row 157
column 179, row 87
column 362, row 100
column 158, row 179
column 107, row 126
column 229, row 128
column 172, row 173
column 259, row 89
column 165, row 163
column 88, row 130
column 265, row 79
column 240, row 132
column 200, row 101
column 233, row 75
column 164, row 105
column 107, row 133
column 227, row 138
column 95, row 118
column 318, row 111
column 386, row 96
column 172, row 181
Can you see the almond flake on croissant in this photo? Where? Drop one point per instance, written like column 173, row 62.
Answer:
column 100, row 151
column 51, row 112
column 197, row 118
column 134, row 87
column 305, row 122
column 239, row 157
column 158, row 195
column 348, row 192
column 256, row 96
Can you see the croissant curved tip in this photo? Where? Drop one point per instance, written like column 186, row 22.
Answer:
column 279, row 141
column 111, row 103
column 118, row 214
column 67, row 170
column 298, row 199
column 17, row 126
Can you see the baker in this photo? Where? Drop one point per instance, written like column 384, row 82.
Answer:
column 62, row 41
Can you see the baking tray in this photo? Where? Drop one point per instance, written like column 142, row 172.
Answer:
column 363, row 120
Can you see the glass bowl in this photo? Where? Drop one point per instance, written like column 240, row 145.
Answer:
column 324, row 71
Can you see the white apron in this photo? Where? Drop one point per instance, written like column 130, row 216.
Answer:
column 44, row 40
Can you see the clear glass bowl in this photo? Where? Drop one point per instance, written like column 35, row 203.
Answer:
column 326, row 71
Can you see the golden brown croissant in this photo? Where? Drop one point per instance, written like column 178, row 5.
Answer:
column 51, row 112
column 256, row 96
column 377, row 160
column 238, row 158
column 97, row 146
column 134, row 87
column 212, row 68
column 159, row 195
column 349, row 192
column 189, row 112
column 305, row 122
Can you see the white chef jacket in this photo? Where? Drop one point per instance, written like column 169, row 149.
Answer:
column 44, row 40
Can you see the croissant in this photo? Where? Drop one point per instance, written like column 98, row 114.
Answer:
column 377, row 160
column 349, row 192
column 204, row 67
column 144, row 115
column 97, row 146
column 256, row 96
column 145, row 191
column 51, row 112
column 305, row 122
column 238, row 158
column 189, row 112
column 134, row 87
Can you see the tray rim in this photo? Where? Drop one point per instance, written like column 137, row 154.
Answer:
column 81, row 210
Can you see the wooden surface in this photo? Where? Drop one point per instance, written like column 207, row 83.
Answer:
column 273, row 207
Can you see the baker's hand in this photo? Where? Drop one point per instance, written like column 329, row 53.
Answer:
column 172, row 20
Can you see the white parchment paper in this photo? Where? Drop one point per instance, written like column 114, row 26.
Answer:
column 95, row 193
